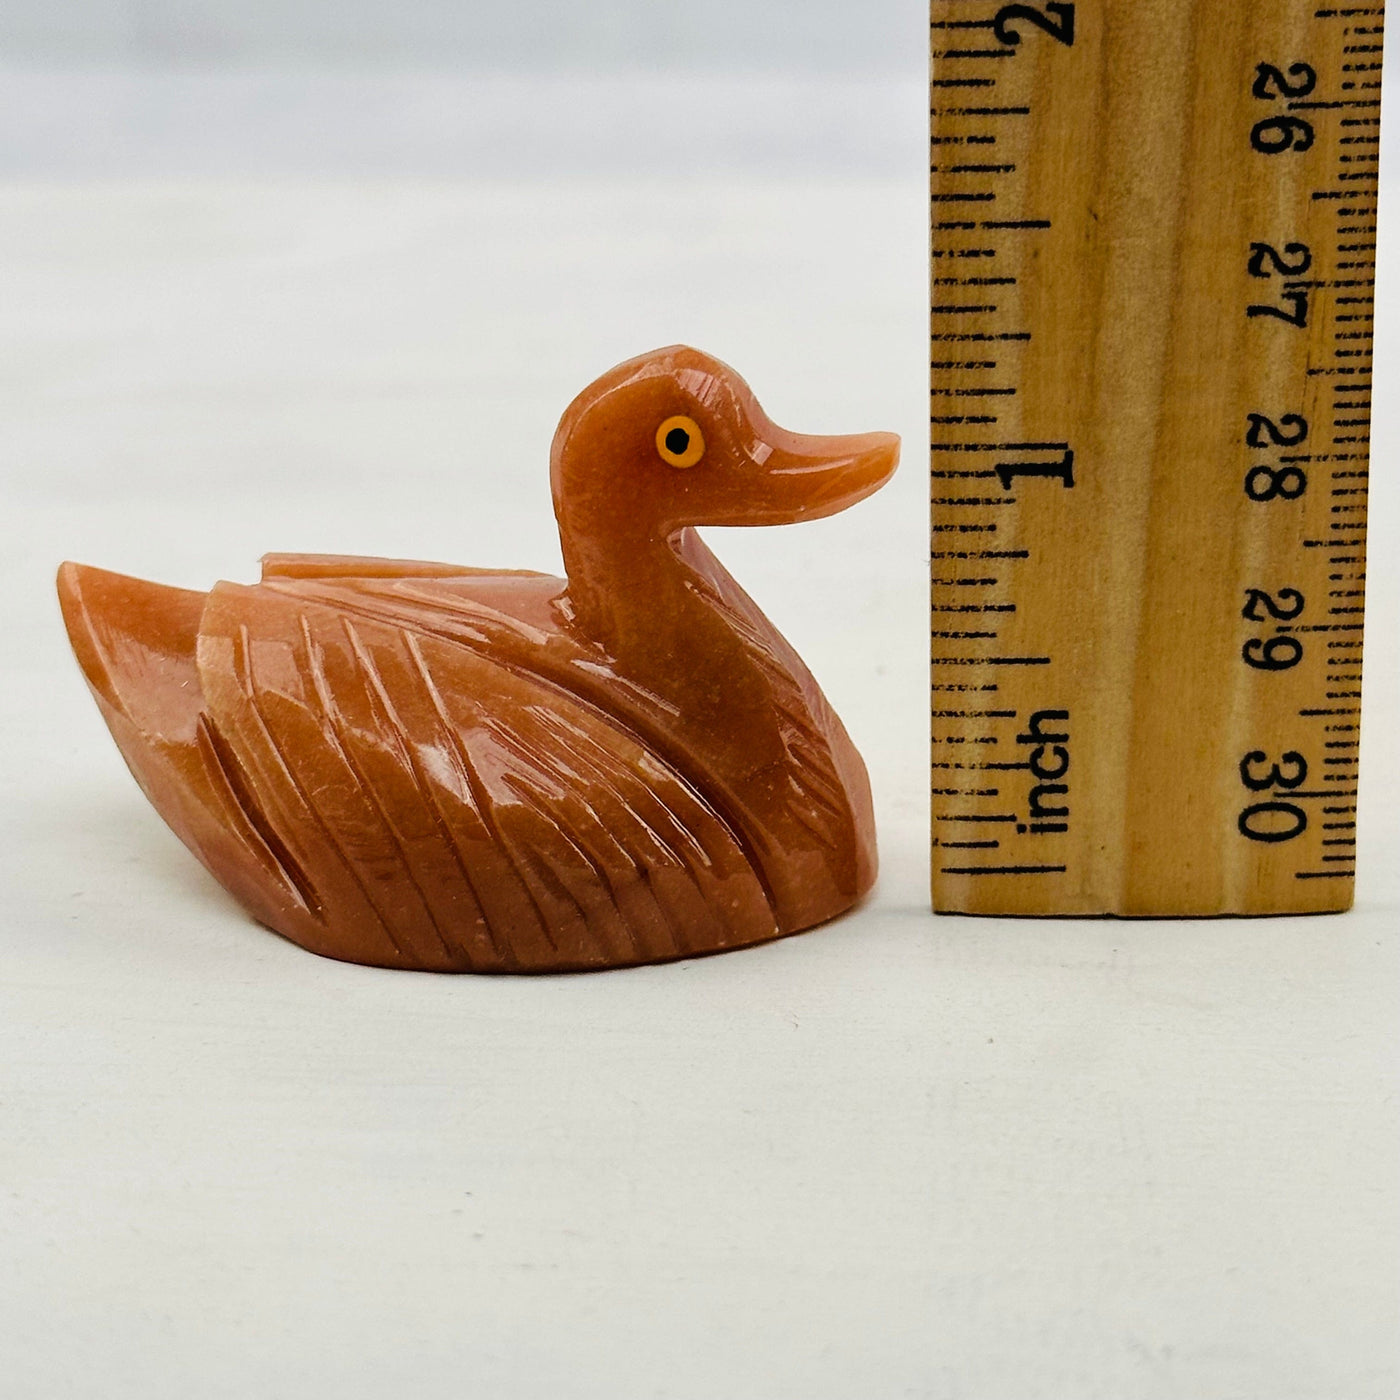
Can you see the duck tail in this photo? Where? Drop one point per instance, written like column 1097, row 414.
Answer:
column 136, row 643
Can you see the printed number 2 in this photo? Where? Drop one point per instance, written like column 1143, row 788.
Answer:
column 1056, row 20
column 1266, row 75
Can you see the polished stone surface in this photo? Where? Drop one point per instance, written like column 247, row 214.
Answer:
column 427, row 766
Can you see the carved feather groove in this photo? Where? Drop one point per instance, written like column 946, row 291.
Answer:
column 224, row 766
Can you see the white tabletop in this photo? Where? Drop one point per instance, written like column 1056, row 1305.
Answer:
column 897, row 1156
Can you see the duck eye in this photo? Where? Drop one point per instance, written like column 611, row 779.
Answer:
column 679, row 442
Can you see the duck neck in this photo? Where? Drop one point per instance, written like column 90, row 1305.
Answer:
column 642, row 597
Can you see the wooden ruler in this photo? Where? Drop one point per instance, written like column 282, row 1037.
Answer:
column 1153, row 250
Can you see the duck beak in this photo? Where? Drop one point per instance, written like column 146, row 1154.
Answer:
column 806, row 478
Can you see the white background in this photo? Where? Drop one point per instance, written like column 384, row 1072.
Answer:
column 278, row 280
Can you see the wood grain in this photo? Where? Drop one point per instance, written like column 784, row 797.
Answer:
column 1099, row 209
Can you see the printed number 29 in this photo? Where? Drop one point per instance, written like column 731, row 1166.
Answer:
column 1056, row 20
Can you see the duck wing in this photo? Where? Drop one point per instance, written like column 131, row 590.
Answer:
column 436, row 806
column 803, row 814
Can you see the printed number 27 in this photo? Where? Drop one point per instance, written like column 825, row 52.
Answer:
column 1056, row 20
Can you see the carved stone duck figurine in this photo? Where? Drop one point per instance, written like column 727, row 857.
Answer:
column 424, row 766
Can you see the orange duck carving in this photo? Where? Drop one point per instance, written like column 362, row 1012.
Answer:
column 424, row 766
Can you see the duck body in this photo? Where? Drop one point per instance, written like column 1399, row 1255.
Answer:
column 423, row 766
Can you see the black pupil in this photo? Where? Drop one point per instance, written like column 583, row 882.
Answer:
column 677, row 440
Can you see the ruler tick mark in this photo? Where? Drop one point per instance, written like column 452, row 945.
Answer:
column 1003, row 870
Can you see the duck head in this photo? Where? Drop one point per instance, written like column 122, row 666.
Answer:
column 676, row 438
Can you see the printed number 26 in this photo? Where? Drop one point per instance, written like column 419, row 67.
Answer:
column 1056, row 20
